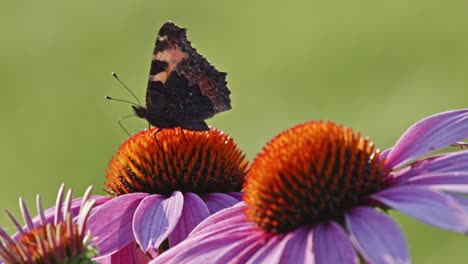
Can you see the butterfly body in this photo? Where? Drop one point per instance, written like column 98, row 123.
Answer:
column 183, row 88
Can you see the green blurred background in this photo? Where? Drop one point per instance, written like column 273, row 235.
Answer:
column 376, row 66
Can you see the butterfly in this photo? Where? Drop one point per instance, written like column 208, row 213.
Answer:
column 183, row 88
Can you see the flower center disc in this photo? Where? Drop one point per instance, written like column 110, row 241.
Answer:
column 309, row 174
column 174, row 159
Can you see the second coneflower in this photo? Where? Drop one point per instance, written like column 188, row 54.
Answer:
column 311, row 197
column 51, row 237
column 164, row 185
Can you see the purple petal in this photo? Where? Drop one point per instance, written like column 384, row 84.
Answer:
column 112, row 223
column 376, row 236
column 450, row 188
column 194, row 211
column 127, row 255
column 447, row 162
column 26, row 215
column 424, row 204
column 447, row 178
column 58, row 205
column 462, row 200
column 428, row 135
column 219, row 201
column 156, row 218
column 331, row 235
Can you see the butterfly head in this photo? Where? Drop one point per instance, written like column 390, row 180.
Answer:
column 140, row 111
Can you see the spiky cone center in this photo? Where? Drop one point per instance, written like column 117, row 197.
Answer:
column 309, row 174
column 174, row 159
column 50, row 243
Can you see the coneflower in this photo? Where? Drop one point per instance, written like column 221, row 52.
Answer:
column 319, row 192
column 165, row 184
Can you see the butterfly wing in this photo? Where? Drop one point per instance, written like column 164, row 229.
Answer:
column 183, row 86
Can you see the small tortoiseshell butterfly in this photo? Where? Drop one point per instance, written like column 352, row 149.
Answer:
column 183, row 89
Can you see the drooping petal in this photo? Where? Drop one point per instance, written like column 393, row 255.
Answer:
column 194, row 211
column 223, row 247
column 112, row 223
column 129, row 254
column 224, row 218
column 447, row 162
column 156, row 218
column 299, row 245
column 426, row 205
column 376, row 236
column 428, row 135
column 219, row 201
column 384, row 153
column 224, row 237
column 237, row 195
column 331, row 235
column 293, row 247
column 271, row 251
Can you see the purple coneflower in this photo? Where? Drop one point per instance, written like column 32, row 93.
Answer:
column 164, row 185
column 311, row 197
column 57, row 239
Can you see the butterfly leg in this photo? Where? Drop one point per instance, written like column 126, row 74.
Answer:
column 460, row 144
column 156, row 137
column 121, row 125
column 183, row 134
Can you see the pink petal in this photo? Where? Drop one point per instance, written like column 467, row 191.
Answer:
column 127, row 255
column 274, row 249
column 156, row 218
column 299, row 246
column 428, row 135
column 194, row 211
column 377, row 237
column 384, row 153
column 270, row 252
column 331, row 235
column 112, row 223
column 424, row 204
column 219, row 201
column 254, row 240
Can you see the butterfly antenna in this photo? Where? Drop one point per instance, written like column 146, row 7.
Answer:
column 121, row 100
column 126, row 87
